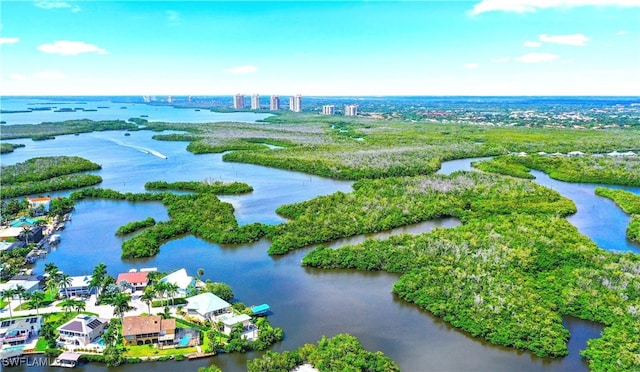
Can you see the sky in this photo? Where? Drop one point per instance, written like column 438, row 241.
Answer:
column 481, row 47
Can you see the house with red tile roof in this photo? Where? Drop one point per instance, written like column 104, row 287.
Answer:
column 40, row 204
column 138, row 280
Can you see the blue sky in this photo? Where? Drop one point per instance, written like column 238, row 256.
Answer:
column 482, row 47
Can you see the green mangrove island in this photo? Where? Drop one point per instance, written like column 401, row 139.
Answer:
column 507, row 274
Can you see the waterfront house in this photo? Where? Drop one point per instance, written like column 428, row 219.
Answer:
column 41, row 205
column 29, row 286
column 81, row 331
column 249, row 330
column 80, row 286
column 151, row 329
column 184, row 282
column 11, row 234
column 207, row 306
column 138, row 280
column 18, row 331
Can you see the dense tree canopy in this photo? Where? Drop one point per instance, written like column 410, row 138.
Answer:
column 340, row 353
column 45, row 174
column 620, row 170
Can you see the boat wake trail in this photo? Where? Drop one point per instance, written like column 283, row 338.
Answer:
column 141, row 149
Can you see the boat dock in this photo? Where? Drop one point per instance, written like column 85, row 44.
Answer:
column 67, row 359
column 260, row 310
column 200, row 355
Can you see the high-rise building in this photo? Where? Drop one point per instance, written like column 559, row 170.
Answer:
column 295, row 103
column 328, row 110
column 255, row 102
column 351, row 110
column 238, row 101
column 274, row 104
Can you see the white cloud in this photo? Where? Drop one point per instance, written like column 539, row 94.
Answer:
column 17, row 77
column 532, row 44
column 66, row 47
column 621, row 33
column 537, row 58
column 48, row 75
column 52, row 4
column 238, row 70
column 8, row 40
column 471, row 66
column 500, row 60
column 573, row 39
column 530, row 6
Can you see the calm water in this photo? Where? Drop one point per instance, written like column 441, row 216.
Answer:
column 598, row 218
column 307, row 303
column 107, row 110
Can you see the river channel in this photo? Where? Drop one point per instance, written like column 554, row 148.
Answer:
column 306, row 303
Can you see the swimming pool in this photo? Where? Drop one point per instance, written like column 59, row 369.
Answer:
column 185, row 340
column 15, row 347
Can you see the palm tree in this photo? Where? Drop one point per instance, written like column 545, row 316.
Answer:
column 7, row 294
column 147, row 297
column 99, row 273
column 125, row 285
column 26, row 229
column 79, row 305
column 36, row 300
column 20, row 291
column 200, row 273
column 67, row 304
column 52, row 270
column 161, row 289
column 51, row 285
column 172, row 290
column 65, row 281
column 121, row 304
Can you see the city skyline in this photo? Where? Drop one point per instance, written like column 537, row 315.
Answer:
column 483, row 47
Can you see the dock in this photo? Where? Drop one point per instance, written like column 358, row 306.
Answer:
column 200, row 355
column 260, row 310
column 66, row 360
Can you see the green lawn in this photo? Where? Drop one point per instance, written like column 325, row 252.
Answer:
column 150, row 351
column 41, row 345
column 48, row 299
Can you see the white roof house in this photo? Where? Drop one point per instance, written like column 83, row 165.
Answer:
column 181, row 279
column 80, row 286
column 249, row 330
column 29, row 285
column 207, row 306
